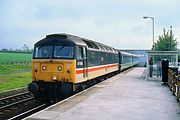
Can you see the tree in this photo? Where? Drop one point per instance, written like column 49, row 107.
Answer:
column 25, row 47
column 166, row 42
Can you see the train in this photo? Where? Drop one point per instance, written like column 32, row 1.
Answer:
column 63, row 64
column 128, row 60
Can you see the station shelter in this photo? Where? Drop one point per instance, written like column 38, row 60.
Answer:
column 156, row 57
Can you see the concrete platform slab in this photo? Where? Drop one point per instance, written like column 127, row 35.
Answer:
column 122, row 97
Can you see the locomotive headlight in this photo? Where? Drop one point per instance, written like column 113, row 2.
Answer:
column 54, row 78
column 59, row 68
column 44, row 68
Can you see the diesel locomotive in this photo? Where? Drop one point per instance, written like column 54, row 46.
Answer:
column 63, row 64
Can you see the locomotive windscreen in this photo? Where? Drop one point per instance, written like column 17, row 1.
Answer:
column 63, row 52
column 43, row 52
column 60, row 51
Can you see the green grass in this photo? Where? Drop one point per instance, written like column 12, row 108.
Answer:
column 15, row 70
column 16, row 80
column 14, row 76
column 11, row 68
column 10, row 58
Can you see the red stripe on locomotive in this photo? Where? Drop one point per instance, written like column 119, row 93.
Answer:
column 95, row 69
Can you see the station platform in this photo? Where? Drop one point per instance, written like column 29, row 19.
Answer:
column 126, row 96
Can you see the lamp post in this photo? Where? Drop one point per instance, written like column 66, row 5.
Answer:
column 146, row 17
column 170, row 38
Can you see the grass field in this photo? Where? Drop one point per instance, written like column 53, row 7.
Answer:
column 14, row 76
column 10, row 58
column 11, row 68
column 13, row 81
column 15, row 70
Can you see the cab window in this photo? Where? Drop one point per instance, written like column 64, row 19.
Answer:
column 43, row 52
column 79, row 53
column 64, row 52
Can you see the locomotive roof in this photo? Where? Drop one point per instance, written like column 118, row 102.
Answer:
column 66, row 39
column 57, row 39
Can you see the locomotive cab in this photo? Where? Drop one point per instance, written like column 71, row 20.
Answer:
column 53, row 63
column 54, row 66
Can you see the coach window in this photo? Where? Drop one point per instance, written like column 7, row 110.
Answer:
column 79, row 53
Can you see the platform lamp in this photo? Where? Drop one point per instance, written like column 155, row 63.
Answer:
column 146, row 17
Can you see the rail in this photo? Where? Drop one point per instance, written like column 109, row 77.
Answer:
column 16, row 104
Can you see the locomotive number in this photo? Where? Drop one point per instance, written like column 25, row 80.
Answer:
column 79, row 63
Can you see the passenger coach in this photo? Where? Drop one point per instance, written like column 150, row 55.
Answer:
column 128, row 60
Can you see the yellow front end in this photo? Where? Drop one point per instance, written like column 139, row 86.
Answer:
column 54, row 70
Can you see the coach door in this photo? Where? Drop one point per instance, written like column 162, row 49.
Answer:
column 85, row 67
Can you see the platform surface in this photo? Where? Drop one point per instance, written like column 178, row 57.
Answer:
column 125, row 96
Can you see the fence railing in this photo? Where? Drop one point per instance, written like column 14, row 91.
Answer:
column 174, row 82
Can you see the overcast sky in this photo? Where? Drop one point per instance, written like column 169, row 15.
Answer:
column 117, row 23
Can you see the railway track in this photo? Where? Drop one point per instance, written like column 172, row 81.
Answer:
column 17, row 104
column 14, row 99
column 12, row 92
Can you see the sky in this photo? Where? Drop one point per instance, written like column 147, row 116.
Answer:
column 117, row 23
